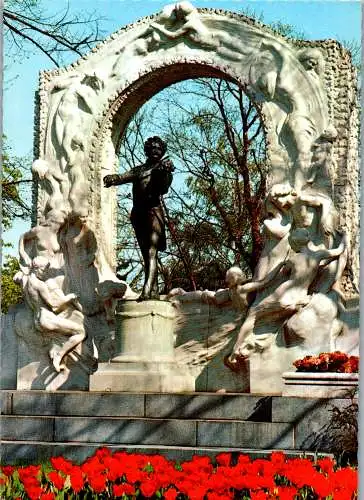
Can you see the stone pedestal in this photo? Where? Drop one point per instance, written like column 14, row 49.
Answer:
column 145, row 357
column 319, row 385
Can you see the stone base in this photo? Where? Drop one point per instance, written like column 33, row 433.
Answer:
column 266, row 368
column 145, row 359
column 142, row 377
column 319, row 385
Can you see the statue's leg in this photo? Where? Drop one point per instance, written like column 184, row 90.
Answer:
column 58, row 355
column 49, row 322
column 151, row 269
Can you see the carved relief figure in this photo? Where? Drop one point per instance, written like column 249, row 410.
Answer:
column 322, row 168
column 129, row 57
column 313, row 62
column 53, row 182
column 317, row 213
column 288, row 298
column 78, row 195
column 192, row 27
column 42, row 240
column 276, row 77
column 150, row 181
column 55, row 314
column 183, row 22
column 276, row 227
column 78, row 99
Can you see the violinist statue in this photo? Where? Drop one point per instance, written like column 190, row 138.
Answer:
column 151, row 181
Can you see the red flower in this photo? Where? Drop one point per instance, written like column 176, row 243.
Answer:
column 8, row 470
column 160, row 463
column 219, row 496
column 321, row 484
column 345, row 479
column 56, row 479
column 332, row 362
column 28, row 476
column 223, row 459
column 342, row 495
column 148, row 487
column 31, row 470
column 61, row 464
column 120, row 489
column 326, row 465
column 196, row 493
column 47, row 496
column 102, row 453
column 93, row 466
column 243, row 459
column 115, row 468
column 170, row 494
column 258, row 495
column 76, row 478
column 97, row 482
column 277, row 457
column 286, row 492
column 133, row 475
column 34, row 492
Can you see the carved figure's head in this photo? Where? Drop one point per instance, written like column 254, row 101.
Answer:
column 283, row 196
column 234, row 276
column 155, row 148
column 182, row 9
column 299, row 238
column 55, row 218
column 312, row 60
column 77, row 143
column 40, row 168
column 94, row 81
column 40, row 266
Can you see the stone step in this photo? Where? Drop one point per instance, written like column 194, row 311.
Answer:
column 169, row 432
column 35, row 420
column 22, row 452
column 230, row 406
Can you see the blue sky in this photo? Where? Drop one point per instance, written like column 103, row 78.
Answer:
column 318, row 20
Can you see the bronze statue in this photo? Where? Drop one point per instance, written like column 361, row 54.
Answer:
column 150, row 181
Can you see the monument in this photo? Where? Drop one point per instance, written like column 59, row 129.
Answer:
column 83, row 328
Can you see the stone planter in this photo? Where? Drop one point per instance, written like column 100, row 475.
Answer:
column 319, row 384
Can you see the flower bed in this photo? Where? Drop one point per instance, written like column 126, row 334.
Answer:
column 128, row 476
column 328, row 362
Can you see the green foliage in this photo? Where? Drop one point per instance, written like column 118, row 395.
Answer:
column 213, row 209
column 11, row 292
column 15, row 189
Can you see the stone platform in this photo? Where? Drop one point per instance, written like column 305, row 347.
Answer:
column 36, row 425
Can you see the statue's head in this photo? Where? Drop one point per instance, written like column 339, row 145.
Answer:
column 299, row 238
column 40, row 266
column 182, row 9
column 234, row 276
column 155, row 148
column 40, row 168
column 55, row 218
column 312, row 59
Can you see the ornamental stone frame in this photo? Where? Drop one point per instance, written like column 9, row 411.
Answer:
column 304, row 91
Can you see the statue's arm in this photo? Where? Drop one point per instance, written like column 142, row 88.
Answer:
column 222, row 296
column 23, row 254
column 172, row 35
column 254, row 286
column 118, row 179
column 329, row 254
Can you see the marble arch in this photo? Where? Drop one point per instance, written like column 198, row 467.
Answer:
column 304, row 91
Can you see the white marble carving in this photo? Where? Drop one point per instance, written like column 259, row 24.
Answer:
column 55, row 314
column 85, row 107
